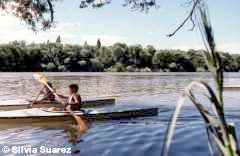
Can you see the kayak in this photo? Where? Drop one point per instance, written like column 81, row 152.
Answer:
column 237, row 87
column 21, row 104
column 43, row 115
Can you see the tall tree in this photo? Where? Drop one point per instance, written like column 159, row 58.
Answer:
column 99, row 44
column 58, row 40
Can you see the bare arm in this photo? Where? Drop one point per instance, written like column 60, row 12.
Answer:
column 77, row 99
column 62, row 96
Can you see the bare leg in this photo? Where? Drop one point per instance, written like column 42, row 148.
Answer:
column 54, row 109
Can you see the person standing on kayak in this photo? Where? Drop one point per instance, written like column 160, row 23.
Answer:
column 73, row 101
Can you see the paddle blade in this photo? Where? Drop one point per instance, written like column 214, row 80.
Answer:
column 40, row 77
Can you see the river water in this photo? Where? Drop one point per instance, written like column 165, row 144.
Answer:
column 135, row 137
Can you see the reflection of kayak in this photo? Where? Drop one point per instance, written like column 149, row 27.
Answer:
column 43, row 115
column 231, row 87
column 14, row 105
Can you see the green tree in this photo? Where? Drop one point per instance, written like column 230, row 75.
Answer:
column 96, row 65
column 120, row 52
column 58, row 40
column 98, row 44
column 105, row 56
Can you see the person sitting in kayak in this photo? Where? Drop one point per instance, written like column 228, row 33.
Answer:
column 73, row 101
column 47, row 94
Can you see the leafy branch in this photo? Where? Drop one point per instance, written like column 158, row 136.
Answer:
column 36, row 13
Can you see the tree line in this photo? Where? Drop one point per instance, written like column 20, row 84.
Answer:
column 18, row 56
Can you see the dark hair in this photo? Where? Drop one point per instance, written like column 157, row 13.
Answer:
column 74, row 87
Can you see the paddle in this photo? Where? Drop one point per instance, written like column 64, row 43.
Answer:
column 32, row 102
column 42, row 79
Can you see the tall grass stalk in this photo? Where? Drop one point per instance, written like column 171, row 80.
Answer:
column 221, row 135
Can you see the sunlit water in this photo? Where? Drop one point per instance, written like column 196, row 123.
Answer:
column 135, row 137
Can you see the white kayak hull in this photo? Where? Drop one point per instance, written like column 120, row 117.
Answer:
column 42, row 115
column 16, row 105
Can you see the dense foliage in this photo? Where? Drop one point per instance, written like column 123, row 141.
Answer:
column 40, row 14
column 19, row 56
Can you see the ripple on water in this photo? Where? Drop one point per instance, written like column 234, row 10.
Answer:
column 137, row 137
column 121, row 139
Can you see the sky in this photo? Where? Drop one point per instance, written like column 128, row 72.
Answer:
column 115, row 23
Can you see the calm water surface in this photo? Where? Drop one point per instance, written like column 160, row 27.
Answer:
column 135, row 137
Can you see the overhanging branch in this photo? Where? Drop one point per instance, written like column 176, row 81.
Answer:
column 188, row 18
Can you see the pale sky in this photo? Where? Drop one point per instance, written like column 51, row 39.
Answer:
column 115, row 23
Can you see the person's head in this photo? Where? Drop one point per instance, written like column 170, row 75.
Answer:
column 73, row 88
